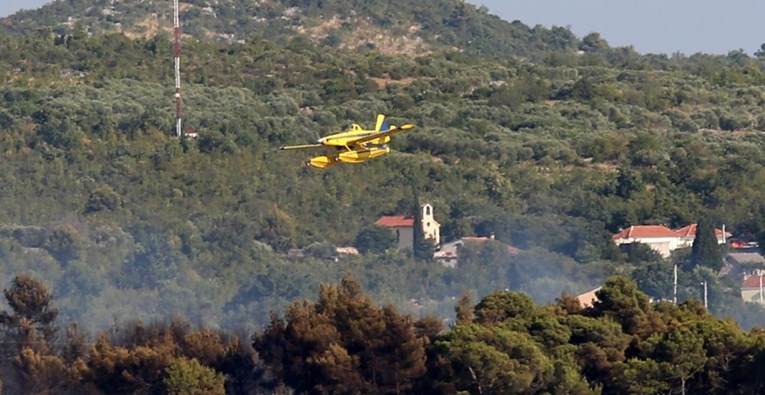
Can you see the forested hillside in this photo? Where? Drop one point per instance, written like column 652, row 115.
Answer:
column 391, row 27
column 549, row 141
column 552, row 156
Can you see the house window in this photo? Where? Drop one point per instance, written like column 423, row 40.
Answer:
column 427, row 211
column 427, row 225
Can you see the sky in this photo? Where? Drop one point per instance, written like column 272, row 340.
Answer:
column 650, row 26
column 8, row 7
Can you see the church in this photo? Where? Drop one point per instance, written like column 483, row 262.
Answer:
column 403, row 226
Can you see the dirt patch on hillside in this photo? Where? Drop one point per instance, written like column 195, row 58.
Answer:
column 357, row 33
column 147, row 28
column 383, row 82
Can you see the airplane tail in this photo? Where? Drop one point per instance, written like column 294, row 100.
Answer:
column 382, row 123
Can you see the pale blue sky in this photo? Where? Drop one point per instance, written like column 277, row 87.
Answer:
column 8, row 7
column 657, row 26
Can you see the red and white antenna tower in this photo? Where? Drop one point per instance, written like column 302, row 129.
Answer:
column 177, row 56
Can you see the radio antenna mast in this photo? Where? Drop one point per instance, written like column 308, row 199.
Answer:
column 177, row 57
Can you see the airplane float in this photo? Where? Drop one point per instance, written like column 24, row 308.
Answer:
column 355, row 145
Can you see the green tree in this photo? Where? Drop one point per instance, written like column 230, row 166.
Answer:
column 639, row 376
column 497, row 307
column 593, row 43
column 136, row 368
column 30, row 302
column 103, row 198
column 583, row 90
column 64, row 243
column 189, row 377
column 681, row 354
column 628, row 183
column 343, row 344
column 724, row 343
column 41, row 372
column 655, row 279
column 705, row 250
column 600, row 344
column 28, row 332
column 375, row 238
column 495, row 360
column 464, row 309
column 620, row 300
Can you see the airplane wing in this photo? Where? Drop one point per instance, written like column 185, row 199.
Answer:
column 306, row 146
column 370, row 137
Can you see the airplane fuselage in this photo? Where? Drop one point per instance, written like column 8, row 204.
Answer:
column 355, row 132
column 354, row 145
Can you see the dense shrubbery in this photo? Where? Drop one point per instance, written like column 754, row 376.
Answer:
column 344, row 343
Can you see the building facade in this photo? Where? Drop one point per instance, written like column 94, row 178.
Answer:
column 663, row 239
column 403, row 227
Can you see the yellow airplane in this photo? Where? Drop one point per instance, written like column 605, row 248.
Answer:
column 355, row 145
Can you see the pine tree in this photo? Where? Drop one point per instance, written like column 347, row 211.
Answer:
column 344, row 343
column 32, row 305
column 464, row 309
column 705, row 250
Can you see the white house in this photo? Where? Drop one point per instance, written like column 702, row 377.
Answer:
column 449, row 252
column 753, row 288
column 403, row 226
column 663, row 239
column 688, row 234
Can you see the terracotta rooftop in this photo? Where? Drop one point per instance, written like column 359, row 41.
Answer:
column 395, row 221
column 690, row 231
column 645, row 232
column 753, row 281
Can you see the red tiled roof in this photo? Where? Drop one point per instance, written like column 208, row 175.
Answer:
column 690, row 231
column 395, row 221
column 753, row 282
column 686, row 231
column 645, row 232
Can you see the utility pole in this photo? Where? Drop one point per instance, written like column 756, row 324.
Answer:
column 704, row 283
column 674, row 286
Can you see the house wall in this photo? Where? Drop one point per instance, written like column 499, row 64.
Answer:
column 663, row 248
column 687, row 242
column 431, row 230
column 430, row 227
column 447, row 255
column 751, row 295
column 405, row 237
column 587, row 299
column 662, row 245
